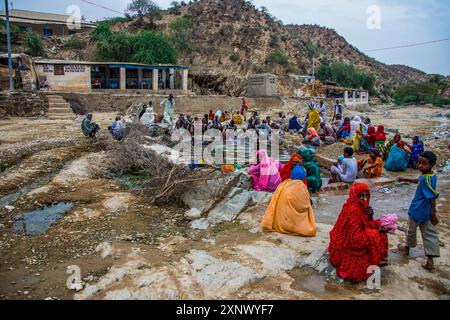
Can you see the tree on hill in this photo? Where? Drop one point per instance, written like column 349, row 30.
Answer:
column 144, row 9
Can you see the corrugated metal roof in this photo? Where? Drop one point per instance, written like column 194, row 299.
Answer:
column 35, row 17
column 115, row 64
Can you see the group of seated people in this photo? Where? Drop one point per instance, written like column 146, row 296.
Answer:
column 357, row 239
column 226, row 120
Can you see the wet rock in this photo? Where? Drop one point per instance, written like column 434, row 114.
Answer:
column 91, row 290
column 205, row 196
column 318, row 260
column 193, row 214
column 228, row 209
column 275, row 260
column 123, row 294
column 218, row 277
column 200, row 224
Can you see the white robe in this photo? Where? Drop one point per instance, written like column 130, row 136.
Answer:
column 148, row 118
column 169, row 108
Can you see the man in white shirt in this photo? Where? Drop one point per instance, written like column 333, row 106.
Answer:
column 347, row 171
column 338, row 109
column 322, row 108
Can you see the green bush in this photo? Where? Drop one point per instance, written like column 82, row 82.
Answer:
column 74, row 43
column 421, row 92
column 34, row 44
column 101, row 31
column 153, row 47
column 279, row 57
column 347, row 75
column 235, row 57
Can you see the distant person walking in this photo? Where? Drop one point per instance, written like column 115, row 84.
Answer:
column 338, row 109
column 169, row 107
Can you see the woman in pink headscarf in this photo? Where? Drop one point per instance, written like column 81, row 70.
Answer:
column 265, row 174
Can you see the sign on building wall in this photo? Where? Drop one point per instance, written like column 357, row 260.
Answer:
column 48, row 68
column 74, row 68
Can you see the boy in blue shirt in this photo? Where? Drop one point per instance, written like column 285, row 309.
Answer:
column 422, row 212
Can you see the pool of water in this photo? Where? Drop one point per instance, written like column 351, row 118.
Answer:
column 10, row 198
column 38, row 221
column 133, row 180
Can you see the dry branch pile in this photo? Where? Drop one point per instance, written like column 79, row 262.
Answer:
column 167, row 181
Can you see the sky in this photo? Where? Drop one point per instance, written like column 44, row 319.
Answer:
column 366, row 24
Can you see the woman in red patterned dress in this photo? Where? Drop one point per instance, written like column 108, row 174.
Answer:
column 356, row 240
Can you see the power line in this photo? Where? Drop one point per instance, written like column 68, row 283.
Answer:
column 103, row 7
column 409, row 45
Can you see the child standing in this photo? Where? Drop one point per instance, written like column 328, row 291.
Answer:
column 422, row 212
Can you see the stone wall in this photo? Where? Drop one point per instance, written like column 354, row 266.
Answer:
column 22, row 104
column 193, row 105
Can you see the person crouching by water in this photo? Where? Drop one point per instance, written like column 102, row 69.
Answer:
column 88, row 127
column 357, row 240
column 290, row 210
column 117, row 129
column 265, row 174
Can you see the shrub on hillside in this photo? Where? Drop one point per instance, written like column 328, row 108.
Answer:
column 279, row 57
column 347, row 75
column 235, row 57
column 421, row 92
column 34, row 44
column 74, row 43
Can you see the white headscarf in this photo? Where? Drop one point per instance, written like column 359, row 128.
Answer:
column 148, row 117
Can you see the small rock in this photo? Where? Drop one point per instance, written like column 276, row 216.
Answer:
column 9, row 208
column 26, row 293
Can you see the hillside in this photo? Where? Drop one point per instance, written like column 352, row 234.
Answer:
column 231, row 39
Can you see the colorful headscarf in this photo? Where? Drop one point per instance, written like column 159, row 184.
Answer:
column 375, row 151
column 285, row 172
column 311, row 133
column 354, row 193
column 380, row 134
column 298, row 173
column 371, row 136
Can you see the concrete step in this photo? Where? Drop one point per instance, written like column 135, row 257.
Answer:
column 59, row 104
column 56, row 114
column 61, row 117
column 59, row 110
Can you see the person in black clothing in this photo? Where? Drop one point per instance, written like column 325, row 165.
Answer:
column 144, row 108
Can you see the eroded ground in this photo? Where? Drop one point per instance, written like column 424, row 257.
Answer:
column 127, row 249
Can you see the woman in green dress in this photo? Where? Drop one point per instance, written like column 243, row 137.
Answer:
column 312, row 168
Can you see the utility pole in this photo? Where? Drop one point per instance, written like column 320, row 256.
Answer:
column 313, row 71
column 8, row 36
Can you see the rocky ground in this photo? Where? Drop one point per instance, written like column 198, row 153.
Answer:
column 128, row 249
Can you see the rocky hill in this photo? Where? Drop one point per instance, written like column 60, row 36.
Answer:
column 231, row 39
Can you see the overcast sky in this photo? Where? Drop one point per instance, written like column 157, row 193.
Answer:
column 402, row 22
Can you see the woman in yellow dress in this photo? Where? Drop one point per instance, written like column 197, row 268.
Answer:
column 313, row 117
column 290, row 210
